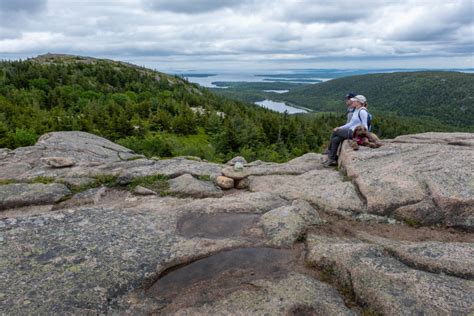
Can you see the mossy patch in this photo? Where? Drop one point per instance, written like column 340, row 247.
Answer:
column 204, row 177
column 7, row 181
column 369, row 311
column 412, row 222
column 44, row 180
column 99, row 180
column 158, row 183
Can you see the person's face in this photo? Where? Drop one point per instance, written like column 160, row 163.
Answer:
column 356, row 104
column 349, row 102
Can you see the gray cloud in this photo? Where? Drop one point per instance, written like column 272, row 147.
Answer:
column 440, row 23
column 233, row 33
column 14, row 13
column 189, row 7
column 30, row 6
column 334, row 11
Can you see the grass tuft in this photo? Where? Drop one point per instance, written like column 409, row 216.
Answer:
column 44, row 180
column 157, row 183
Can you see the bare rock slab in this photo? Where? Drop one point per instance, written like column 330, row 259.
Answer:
column 386, row 284
column 453, row 258
column 24, row 194
column 287, row 223
column 80, row 259
column 305, row 163
column 294, row 295
column 190, row 186
column 324, row 188
column 427, row 178
column 241, row 203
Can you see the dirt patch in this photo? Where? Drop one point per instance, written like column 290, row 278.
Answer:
column 343, row 227
column 224, row 225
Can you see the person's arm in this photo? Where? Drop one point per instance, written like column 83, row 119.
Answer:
column 352, row 122
column 363, row 117
column 347, row 125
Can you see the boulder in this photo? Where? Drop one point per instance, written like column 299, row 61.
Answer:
column 224, row 182
column 58, row 162
column 387, row 285
column 236, row 159
column 242, row 184
column 24, row 194
column 424, row 178
column 187, row 185
column 139, row 190
column 286, row 224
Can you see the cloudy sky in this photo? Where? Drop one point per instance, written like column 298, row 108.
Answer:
column 247, row 34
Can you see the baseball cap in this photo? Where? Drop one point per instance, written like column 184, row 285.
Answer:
column 359, row 98
column 350, row 95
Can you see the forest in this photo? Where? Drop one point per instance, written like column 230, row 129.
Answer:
column 157, row 114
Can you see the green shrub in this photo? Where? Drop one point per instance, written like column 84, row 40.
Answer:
column 22, row 137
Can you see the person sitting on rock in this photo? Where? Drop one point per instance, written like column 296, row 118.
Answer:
column 349, row 112
column 350, row 108
column 347, row 130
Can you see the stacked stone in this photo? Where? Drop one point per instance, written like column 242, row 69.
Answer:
column 233, row 175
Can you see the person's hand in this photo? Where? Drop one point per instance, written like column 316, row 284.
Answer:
column 335, row 129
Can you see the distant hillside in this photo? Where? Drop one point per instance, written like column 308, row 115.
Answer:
column 441, row 95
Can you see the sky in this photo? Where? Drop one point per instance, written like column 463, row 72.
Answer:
column 245, row 35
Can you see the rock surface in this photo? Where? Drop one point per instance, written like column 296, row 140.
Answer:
column 295, row 295
column 93, row 155
column 190, row 186
column 139, row 190
column 23, row 194
column 59, row 162
column 224, row 182
column 284, row 225
column 386, row 284
column 324, row 188
column 426, row 178
column 288, row 239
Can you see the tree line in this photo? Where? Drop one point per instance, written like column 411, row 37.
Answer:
column 154, row 113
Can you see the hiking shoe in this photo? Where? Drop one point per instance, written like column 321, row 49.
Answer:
column 330, row 163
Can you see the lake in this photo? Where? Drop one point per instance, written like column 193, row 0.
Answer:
column 277, row 91
column 279, row 107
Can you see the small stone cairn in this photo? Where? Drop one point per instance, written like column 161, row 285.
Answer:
column 233, row 175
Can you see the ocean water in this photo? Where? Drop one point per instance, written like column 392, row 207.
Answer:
column 306, row 76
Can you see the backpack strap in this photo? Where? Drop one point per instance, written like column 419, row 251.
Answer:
column 363, row 108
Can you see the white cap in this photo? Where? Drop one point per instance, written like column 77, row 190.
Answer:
column 359, row 98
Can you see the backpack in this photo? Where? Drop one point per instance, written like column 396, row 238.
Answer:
column 369, row 119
